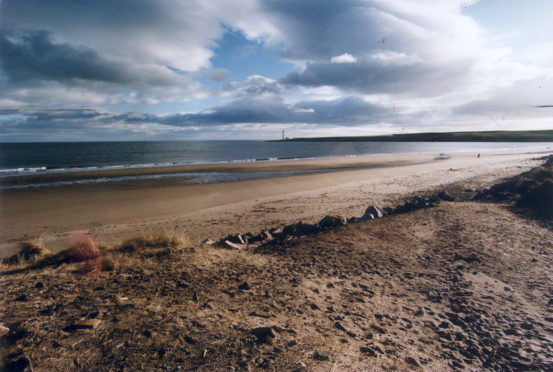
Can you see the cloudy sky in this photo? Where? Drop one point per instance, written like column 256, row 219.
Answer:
column 247, row 69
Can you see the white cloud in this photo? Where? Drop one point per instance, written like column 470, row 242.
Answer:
column 343, row 58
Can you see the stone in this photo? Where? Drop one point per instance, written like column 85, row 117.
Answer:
column 366, row 217
column 257, row 238
column 301, row 367
column 331, row 222
column 339, row 326
column 86, row 323
column 264, row 334
column 234, row 239
column 322, row 355
column 207, row 242
column 388, row 211
column 300, row 229
column 376, row 211
column 444, row 195
column 260, row 314
column 244, row 286
column 3, row 330
column 230, row 245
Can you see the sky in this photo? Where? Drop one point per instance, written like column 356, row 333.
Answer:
column 109, row 70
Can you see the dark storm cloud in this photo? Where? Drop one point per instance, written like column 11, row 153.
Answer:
column 174, row 33
column 349, row 111
column 378, row 77
column 33, row 56
column 61, row 53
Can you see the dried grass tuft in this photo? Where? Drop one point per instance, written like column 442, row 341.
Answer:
column 158, row 246
column 83, row 250
column 29, row 252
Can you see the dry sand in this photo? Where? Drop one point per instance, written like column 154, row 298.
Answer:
column 116, row 211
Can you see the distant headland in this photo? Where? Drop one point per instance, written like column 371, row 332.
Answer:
column 489, row 136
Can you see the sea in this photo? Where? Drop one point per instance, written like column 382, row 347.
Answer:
column 24, row 159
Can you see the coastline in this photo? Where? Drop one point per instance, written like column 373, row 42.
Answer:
column 112, row 212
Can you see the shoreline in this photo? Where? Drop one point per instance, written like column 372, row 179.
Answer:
column 112, row 212
column 43, row 174
column 326, row 164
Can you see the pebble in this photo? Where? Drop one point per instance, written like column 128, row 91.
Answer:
column 86, row 323
column 322, row 355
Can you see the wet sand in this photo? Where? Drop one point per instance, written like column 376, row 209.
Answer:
column 119, row 210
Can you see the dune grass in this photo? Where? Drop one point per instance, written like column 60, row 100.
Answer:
column 29, row 252
column 91, row 260
column 532, row 190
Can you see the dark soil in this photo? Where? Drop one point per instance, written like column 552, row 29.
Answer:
column 463, row 285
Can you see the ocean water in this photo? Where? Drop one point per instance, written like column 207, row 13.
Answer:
column 19, row 159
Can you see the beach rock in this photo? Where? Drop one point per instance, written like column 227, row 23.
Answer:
column 388, row 211
column 231, row 245
column 275, row 232
column 257, row 238
column 300, row 229
column 236, row 239
column 331, row 222
column 207, row 242
column 264, row 334
column 322, row 355
column 366, row 217
column 260, row 314
column 3, row 330
column 376, row 211
column 85, row 324
column 444, row 195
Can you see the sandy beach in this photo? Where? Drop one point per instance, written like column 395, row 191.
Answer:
column 112, row 212
column 460, row 282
